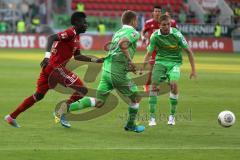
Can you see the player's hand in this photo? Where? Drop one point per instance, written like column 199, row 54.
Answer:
column 97, row 60
column 193, row 75
column 140, row 71
column 100, row 60
column 44, row 63
column 144, row 41
column 132, row 67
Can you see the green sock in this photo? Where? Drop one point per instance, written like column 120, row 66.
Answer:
column 173, row 105
column 152, row 106
column 132, row 111
column 85, row 102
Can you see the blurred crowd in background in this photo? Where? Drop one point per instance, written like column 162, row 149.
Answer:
column 22, row 16
column 47, row 16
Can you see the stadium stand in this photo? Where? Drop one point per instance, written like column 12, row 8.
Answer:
column 115, row 7
column 235, row 6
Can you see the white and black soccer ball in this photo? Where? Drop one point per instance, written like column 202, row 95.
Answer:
column 226, row 118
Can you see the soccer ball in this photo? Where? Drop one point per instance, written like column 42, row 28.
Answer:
column 226, row 118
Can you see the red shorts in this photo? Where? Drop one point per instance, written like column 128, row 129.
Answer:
column 153, row 57
column 50, row 77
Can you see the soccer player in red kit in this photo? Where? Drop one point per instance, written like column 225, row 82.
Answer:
column 151, row 26
column 61, row 47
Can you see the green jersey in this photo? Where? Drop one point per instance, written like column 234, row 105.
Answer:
column 116, row 62
column 168, row 47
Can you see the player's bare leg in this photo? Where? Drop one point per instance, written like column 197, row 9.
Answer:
column 81, row 91
column 149, row 76
column 64, row 106
column 27, row 103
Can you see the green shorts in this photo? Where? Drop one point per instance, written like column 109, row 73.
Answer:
column 165, row 71
column 122, row 83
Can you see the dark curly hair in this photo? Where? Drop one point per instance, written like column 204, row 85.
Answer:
column 76, row 16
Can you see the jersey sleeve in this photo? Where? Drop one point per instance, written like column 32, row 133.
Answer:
column 152, row 44
column 145, row 27
column 182, row 40
column 67, row 35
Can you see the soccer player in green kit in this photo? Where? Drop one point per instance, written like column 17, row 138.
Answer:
column 115, row 70
column 169, row 43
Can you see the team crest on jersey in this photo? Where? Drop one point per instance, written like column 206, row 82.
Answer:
column 54, row 51
column 86, row 42
column 74, row 31
column 134, row 34
column 64, row 35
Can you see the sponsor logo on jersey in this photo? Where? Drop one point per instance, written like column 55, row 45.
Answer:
column 74, row 31
column 170, row 47
column 134, row 34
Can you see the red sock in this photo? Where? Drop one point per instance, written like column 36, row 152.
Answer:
column 75, row 96
column 27, row 103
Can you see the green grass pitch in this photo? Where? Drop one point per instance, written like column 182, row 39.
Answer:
column 196, row 135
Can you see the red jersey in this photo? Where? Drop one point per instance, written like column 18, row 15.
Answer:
column 151, row 25
column 173, row 23
column 63, row 50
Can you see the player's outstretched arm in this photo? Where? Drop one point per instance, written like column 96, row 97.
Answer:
column 145, row 61
column 80, row 57
column 124, row 44
column 50, row 41
column 192, row 62
column 150, row 50
column 144, row 36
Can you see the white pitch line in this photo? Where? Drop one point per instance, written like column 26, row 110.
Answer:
column 183, row 148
